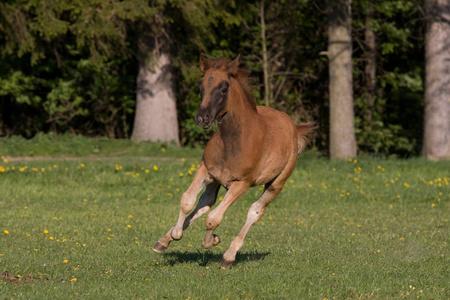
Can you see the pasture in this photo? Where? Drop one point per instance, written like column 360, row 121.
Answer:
column 355, row 229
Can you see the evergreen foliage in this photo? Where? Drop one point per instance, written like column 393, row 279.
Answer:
column 71, row 66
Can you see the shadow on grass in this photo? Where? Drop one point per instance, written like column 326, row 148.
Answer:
column 204, row 258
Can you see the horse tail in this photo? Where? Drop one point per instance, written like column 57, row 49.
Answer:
column 305, row 134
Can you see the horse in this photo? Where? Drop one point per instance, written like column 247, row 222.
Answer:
column 253, row 146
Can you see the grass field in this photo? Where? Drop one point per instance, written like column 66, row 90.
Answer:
column 84, row 227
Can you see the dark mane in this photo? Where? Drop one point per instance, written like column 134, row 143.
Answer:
column 241, row 75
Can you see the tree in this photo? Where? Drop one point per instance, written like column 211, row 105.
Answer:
column 370, row 70
column 66, row 65
column 156, row 109
column 437, row 80
column 342, row 131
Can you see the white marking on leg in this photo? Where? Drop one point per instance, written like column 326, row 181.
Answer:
column 188, row 199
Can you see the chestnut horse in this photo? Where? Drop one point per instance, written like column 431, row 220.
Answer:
column 253, row 145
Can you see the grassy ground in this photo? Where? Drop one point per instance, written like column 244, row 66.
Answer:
column 366, row 228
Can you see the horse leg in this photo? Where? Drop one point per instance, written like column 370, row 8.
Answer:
column 207, row 200
column 255, row 213
column 187, row 202
column 235, row 191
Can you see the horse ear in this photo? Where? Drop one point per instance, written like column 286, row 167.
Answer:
column 204, row 63
column 233, row 67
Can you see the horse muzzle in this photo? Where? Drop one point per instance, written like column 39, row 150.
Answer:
column 203, row 118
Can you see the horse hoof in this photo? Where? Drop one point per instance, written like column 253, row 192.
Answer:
column 216, row 240
column 159, row 248
column 225, row 264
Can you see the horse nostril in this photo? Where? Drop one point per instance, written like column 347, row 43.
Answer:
column 206, row 119
column 198, row 119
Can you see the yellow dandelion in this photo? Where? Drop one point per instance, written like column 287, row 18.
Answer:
column 130, row 216
column 51, row 238
column 405, row 184
column 45, row 231
column 65, row 261
column 82, row 165
column 433, row 205
column 73, row 280
column 6, row 232
column 128, row 226
column 155, row 168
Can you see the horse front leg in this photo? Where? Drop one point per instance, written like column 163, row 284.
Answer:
column 235, row 191
column 187, row 202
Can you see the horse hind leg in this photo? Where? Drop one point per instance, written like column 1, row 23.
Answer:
column 254, row 214
column 186, row 204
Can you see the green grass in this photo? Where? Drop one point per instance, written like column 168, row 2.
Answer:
column 67, row 145
column 371, row 228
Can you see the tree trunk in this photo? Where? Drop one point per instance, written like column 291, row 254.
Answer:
column 370, row 69
column 265, row 60
column 436, row 142
column 342, row 131
column 156, row 112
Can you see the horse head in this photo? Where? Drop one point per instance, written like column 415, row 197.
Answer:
column 214, row 89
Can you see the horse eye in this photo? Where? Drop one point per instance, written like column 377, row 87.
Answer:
column 224, row 90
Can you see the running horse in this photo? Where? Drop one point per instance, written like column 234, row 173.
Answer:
column 253, row 145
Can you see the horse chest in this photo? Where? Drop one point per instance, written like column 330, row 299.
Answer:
column 224, row 166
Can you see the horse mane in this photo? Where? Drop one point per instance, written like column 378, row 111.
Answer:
column 241, row 75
